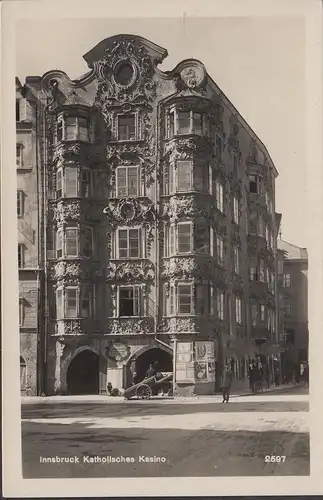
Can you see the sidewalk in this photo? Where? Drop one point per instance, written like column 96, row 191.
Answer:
column 96, row 398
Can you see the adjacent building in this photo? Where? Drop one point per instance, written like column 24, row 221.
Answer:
column 293, row 290
column 147, row 227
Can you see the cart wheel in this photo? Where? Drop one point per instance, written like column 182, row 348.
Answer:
column 143, row 392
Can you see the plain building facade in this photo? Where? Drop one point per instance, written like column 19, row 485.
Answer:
column 148, row 227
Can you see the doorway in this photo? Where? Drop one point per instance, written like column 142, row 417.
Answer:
column 83, row 374
column 162, row 360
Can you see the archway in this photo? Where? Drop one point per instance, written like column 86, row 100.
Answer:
column 162, row 360
column 23, row 375
column 83, row 373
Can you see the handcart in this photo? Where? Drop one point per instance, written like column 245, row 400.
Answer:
column 149, row 387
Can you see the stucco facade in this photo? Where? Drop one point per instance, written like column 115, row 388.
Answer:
column 156, row 225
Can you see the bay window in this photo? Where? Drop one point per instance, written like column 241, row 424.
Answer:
column 187, row 175
column 73, row 182
column 202, row 237
column 184, row 178
column 184, row 237
column 202, row 299
column 127, row 181
column 71, row 302
column 128, row 243
column 75, row 302
column 72, row 128
column 184, row 298
column 73, row 242
column 187, row 122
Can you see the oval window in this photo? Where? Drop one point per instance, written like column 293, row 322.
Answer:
column 124, row 73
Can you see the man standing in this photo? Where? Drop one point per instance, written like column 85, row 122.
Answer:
column 226, row 383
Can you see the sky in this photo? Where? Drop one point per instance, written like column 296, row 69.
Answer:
column 258, row 62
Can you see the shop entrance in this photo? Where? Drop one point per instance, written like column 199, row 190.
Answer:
column 161, row 359
column 83, row 374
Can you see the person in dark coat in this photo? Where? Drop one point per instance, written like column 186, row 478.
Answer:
column 134, row 378
column 151, row 371
column 226, row 384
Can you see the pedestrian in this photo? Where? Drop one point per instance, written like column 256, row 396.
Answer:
column 226, row 383
column 134, row 378
column 151, row 371
column 252, row 376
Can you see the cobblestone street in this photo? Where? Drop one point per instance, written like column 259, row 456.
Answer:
column 200, row 437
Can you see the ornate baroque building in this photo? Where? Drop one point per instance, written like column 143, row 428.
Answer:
column 147, row 215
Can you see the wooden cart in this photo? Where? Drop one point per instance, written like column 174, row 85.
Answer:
column 149, row 387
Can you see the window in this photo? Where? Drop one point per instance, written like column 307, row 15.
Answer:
column 218, row 146
column 253, row 223
column 202, row 299
column 289, row 336
column 71, row 242
column 260, row 226
column 261, row 271
column 59, row 130
column 184, row 171
column 287, row 308
column 59, row 303
column 220, row 305
column 254, row 184
column 202, row 237
column 71, row 188
column 219, row 196
column 17, row 110
column 184, row 237
column 21, row 312
column 236, row 260
column 286, row 280
column 184, row 298
column 254, row 314
column 71, row 302
column 83, row 131
column 236, row 210
column 19, row 156
column 20, row 203
column 238, row 310
column 23, row 374
column 59, row 244
column 183, row 122
column 171, row 124
column 129, row 243
column 21, row 256
column 197, row 124
column 219, row 250
column 87, row 242
column 129, row 301
column 86, row 183
column 127, row 181
column 87, row 301
column 201, row 177
column 262, row 313
column 253, row 271
column 171, row 309
column 127, row 128
column 59, row 184
column 71, row 129
column 76, row 129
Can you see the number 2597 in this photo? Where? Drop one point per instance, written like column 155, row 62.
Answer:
column 275, row 458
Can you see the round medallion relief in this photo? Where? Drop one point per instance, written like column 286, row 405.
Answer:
column 124, row 73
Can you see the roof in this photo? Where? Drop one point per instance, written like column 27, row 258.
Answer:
column 292, row 252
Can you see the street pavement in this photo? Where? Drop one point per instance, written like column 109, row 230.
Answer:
column 110, row 437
